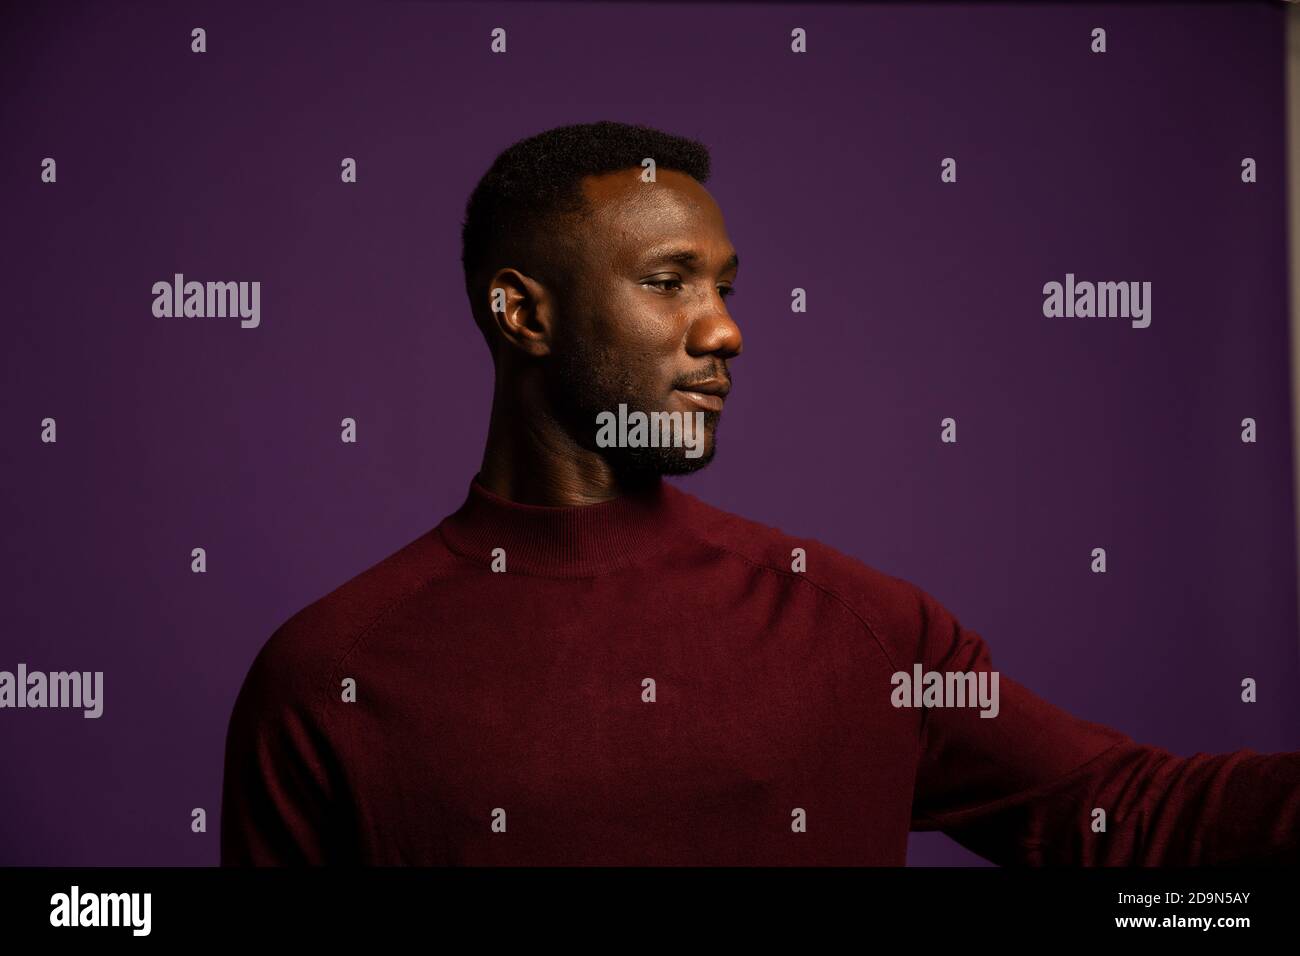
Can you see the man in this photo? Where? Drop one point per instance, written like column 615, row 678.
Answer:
column 586, row 665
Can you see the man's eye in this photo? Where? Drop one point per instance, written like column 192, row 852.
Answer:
column 725, row 291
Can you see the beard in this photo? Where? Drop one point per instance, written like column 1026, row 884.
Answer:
column 586, row 380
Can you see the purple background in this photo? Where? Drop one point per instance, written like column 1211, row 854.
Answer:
column 924, row 302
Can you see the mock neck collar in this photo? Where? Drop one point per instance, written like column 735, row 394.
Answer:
column 565, row 541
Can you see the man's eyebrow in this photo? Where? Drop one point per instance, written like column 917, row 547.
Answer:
column 688, row 258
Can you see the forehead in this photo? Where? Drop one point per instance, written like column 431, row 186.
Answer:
column 629, row 217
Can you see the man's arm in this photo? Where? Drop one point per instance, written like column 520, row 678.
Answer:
column 278, row 798
column 1024, row 787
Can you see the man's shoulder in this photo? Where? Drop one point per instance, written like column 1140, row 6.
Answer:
column 300, row 655
column 889, row 606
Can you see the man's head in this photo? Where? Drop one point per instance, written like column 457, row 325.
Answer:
column 594, row 288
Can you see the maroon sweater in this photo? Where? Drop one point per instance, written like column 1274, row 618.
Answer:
column 649, row 682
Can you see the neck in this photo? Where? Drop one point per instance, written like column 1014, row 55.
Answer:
column 567, row 541
column 531, row 459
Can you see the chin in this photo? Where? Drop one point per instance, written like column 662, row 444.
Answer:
column 648, row 462
column 684, row 466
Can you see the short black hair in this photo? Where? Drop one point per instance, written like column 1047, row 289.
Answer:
column 533, row 190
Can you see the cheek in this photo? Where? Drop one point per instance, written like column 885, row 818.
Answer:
column 633, row 341
column 631, row 314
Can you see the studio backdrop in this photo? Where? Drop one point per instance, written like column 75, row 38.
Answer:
column 1103, row 491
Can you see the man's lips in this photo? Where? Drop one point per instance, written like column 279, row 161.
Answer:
column 708, row 396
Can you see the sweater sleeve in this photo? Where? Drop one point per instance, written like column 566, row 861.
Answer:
column 278, row 792
column 1024, row 787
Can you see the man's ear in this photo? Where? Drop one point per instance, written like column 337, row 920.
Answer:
column 520, row 312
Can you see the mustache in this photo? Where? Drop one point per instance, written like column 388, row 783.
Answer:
column 717, row 373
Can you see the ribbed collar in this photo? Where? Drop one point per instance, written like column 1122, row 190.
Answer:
column 569, row 541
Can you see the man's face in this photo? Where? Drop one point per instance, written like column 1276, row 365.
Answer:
column 642, row 318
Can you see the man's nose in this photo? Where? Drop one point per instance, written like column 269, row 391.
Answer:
column 714, row 333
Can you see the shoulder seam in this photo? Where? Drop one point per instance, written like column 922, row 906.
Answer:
column 336, row 668
column 811, row 583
